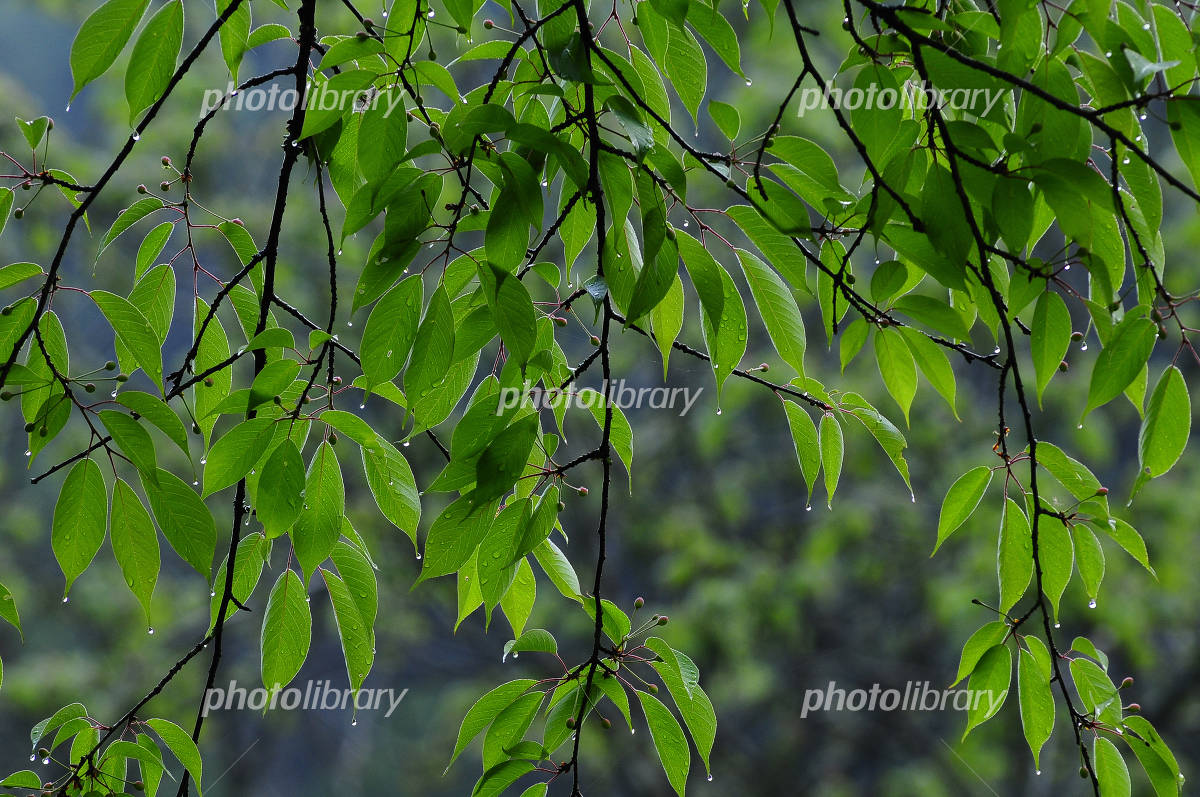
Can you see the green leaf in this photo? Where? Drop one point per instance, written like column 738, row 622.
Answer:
column 1167, row 425
column 726, row 117
column 280, row 489
column 512, row 309
column 391, row 481
column 1014, row 559
column 358, row 646
column 234, row 35
column 390, row 331
column 135, row 544
column 990, row 680
column 486, row 709
column 935, row 313
column 236, row 452
column 1121, row 360
column 535, row 640
column 1111, row 771
column 641, row 138
column 101, row 39
column 133, row 440
column 127, row 218
column 17, row 272
column 1037, row 703
column 620, row 434
column 320, row 521
column 832, row 452
column 897, row 367
column 1057, row 554
column 806, row 441
column 152, row 61
column 884, row 431
column 933, row 362
column 1128, row 538
column 134, row 332
column 8, row 609
column 1050, row 338
column 286, row 631
column 184, row 520
column 979, row 643
column 156, row 411
column 180, row 743
column 80, row 520
column 779, row 310
column 961, row 501
column 669, row 741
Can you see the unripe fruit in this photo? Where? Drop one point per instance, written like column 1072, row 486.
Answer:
column 368, row 23
column 488, row 24
column 164, row 186
column 333, row 440
column 764, row 367
column 1063, row 366
column 28, row 427
column 1076, row 336
column 595, row 340
column 43, row 752
column 461, row 30
column 238, row 222
column 137, row 784
column 208, row 382
column 562, row 506
column 432, row 55
column 1126, row 683
column 18, row 213
column 670, row 233
column 663, row 620
column 583, row 491
column 474, row 209
column 362, row 36
column 570, row 722
column 653, row 689
column 1134, row 708
column 605, row 723
column 1083, row 772
column 558, row 320
column 195, row 428
column 1102, row 491
column 43, row 432
column 639, row 603
column 166, row 161
column 89, row 387
column 850, row 279
column 122, row 377
column 141, row 189
column 110, row 366
column 730, row 183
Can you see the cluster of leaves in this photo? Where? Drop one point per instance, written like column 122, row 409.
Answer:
column 484, row 199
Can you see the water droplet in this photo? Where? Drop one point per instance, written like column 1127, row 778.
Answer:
column 719, row 410
column 1146, row 26
column 418, row 556
column 66, row 599
column 710, row 778
column 150, row 631
column 749, row 82
column 45, row 760
column 632, row 731
column 212, row 594
column 339, row 253
column 430, row 14
column 68, row 111
column 391, row 482
column 113, row 394
column 33, row 757
column 406, row 444
column 1142, row 117
column 195, row 482
column 137, row 136
column 308, row 598
column 349, row 323
column 203, row 460
column 545, row 183
column 1092, row 603
column 685, row 224
column 1038, row 772
column 1080, row 426
column 1125, row 160
column 913, row 496
column 808, row 508
column 362, row 406
column 28, row 453
column 354, row 723
column 1108, row 54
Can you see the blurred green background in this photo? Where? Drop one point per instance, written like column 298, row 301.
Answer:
column 767, row 598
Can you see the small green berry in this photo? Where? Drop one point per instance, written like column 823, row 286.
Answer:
column 110, row 366
column 639, row 603
column 141, row 189
column 89, row 387
column 488, row 24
